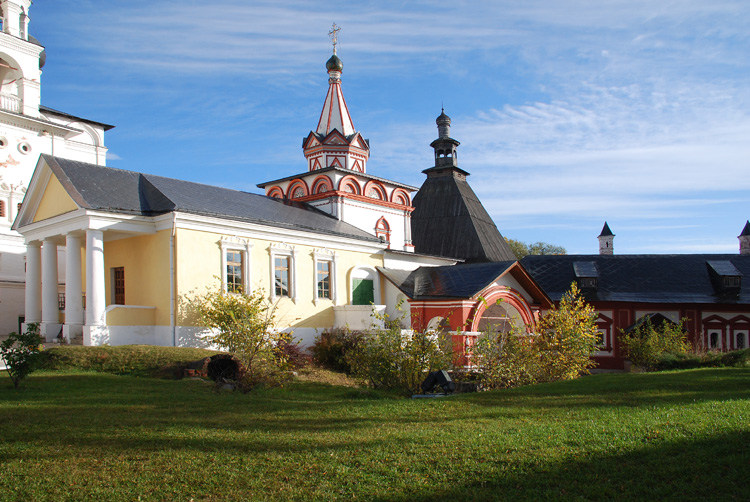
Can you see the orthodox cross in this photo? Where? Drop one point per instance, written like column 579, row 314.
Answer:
column 334, row 34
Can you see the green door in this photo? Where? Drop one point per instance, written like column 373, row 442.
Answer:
column 363, row 292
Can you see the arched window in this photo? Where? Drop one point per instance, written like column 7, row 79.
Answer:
column 297, row 189
column 276, row 192
column 383, row 231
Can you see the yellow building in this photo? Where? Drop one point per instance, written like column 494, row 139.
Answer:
column 137, row 245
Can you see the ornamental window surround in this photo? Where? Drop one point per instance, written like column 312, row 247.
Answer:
column 324, row 276
column 235, row 266
column 283, row 271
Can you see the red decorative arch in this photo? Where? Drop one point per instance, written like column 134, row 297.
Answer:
column 322, row 184
column 376, row 189
column 297, row 188
column 508, row 296
column 275, row 192
column 383, row 230
column 351, row 182
column 401, row 196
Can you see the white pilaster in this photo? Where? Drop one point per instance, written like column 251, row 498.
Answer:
column 73, row 288
column 50, row 311
column 33, row 307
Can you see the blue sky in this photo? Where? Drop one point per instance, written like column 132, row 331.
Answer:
column 569, row 112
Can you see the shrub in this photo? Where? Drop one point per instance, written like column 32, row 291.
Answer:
column 506, row 359
column 400, row 360
column 290, row 351
column 647, row 344
column 567, row 336
column 21, row 353
column 671, row 361
column 243, row 325
column 561, row 347
column 332, row 348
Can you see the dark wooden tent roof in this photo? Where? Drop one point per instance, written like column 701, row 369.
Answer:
column 449, row 220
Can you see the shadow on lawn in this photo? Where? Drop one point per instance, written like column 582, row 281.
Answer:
column 713, row 469
column 633, row 390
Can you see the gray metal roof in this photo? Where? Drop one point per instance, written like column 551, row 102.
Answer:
column 120, row 191
column 450, row 281
column 680, row 278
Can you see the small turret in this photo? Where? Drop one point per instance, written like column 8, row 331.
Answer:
column 606, row 241
column 444, row 145
column 744, row 238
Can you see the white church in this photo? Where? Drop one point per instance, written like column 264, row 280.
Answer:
column 28, row 129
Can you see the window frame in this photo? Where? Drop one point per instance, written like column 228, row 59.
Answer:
column 319, row 256
column 244, row 249
column 283, row 251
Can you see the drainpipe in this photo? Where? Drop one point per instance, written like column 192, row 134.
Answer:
column 171, row 281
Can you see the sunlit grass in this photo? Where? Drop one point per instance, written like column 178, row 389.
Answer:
column 91, row 436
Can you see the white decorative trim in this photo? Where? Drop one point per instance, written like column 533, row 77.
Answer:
column 244, row 246
column 329, row 256
column 373, row 274
column 283, row 249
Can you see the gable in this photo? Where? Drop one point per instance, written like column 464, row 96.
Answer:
column 54, row 201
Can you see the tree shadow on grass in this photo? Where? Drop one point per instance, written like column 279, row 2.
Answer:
column 717, row 468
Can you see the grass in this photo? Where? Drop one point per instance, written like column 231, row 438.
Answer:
column 653, row 436
column 135, row 360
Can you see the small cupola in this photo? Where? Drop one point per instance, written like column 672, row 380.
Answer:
column 606, row 241
column 444, row 145
column 725, row 277
column 744, row 238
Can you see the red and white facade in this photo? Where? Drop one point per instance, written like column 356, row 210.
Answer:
column 336, row 180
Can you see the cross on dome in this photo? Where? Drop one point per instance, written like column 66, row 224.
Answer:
column 334, row 34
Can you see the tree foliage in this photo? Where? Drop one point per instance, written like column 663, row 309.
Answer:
column 558, row 348
column 243, row 324
column 21, row 353
column 392, row 358
column 521, row 249
column 648, row 343
column 567, row 336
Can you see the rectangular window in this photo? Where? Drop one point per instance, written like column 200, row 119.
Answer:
column 281, row 275
column 61, row 301
column 324, row 279
column 234, row 271
column 118, row 280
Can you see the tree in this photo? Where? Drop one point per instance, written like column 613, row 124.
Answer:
column 521, row 249
column 559, row 347
column 21, row 353
column 242, row 324
column 567, row 337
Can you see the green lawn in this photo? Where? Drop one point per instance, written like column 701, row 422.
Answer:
column 91, row 436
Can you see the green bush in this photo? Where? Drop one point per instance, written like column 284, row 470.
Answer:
column 671, row 361
column 559, row 349
column 21, row 353
column 400, row 360
column 243, row 324
column 332, row 348
column 506, row 360
column 135, row 360
column 647, row 344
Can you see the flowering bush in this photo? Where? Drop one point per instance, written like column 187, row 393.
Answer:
column 21, row 353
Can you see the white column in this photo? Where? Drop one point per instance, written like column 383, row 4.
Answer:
column 33, row 305
column 73, row 287
column 50, row 311
column 95, row 297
